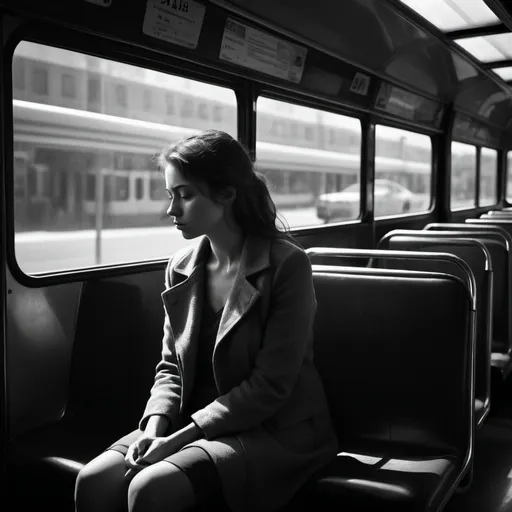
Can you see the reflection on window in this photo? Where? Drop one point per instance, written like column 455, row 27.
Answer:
column 403, row 172
column 463, row 176
column 307, row 173
column 488, row 191
column 59, row 203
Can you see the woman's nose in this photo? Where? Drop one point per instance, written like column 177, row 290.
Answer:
column 173, row 210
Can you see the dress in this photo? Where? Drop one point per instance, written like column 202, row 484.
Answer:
column 194, row 461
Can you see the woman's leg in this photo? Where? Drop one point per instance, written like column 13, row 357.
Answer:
column 161, row 487
column 101, row 486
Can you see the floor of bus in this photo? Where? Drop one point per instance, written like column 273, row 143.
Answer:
column 491, row 490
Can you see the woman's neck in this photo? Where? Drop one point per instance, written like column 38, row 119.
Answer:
column 226, row 247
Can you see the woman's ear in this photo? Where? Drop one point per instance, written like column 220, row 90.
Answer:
column 228, row 195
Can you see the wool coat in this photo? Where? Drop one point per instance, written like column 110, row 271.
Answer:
column 270, row 429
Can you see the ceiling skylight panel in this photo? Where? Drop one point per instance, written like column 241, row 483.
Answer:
column 450, row 15
column 480, row 48
column 505, row 73
column 502, row 42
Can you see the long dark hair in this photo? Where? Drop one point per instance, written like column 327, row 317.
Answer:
column 218, row 160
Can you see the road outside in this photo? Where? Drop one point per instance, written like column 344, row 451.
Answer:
column 45, row 251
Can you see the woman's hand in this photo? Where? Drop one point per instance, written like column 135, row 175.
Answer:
column 148, row 450
column 135, row 451
column 160, row 448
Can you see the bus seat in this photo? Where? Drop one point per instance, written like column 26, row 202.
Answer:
column 502, row 285
column 395, row 355
column 117, row 345
column 478, row 257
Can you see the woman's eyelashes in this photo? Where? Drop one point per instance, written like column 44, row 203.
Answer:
column 183, row 197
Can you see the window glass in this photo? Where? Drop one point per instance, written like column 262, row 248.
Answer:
column 68, row 86
column 463, row 176
column 139, row 188
column 509, row 177
column 18, row 74
column 403, row 172
column 307, row 172
column 488, row 191
column 39, row 81
column 76, row 171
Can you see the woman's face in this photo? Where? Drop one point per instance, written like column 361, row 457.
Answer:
column 194, row 213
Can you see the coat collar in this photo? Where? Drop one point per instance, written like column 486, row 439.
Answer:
column 255, row 257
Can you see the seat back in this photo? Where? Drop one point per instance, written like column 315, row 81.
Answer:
column 498, row 214
column 501, row 258
column 478, row 257
column 395, row 354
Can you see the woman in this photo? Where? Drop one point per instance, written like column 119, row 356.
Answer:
column 237, row 413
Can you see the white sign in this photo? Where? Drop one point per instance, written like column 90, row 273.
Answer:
column 103, row 3
column 260, row 51
column 174, row 21
column 360, row 84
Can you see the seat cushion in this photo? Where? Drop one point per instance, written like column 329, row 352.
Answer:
column 356, row 481
column 501, row 361
column 51, row 458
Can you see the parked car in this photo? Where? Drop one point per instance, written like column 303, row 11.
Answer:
column 391, row 198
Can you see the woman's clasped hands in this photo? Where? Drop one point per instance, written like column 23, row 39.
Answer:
column 148, row 450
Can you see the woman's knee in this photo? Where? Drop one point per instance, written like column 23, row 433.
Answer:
column 104, row 474
column 160, row 487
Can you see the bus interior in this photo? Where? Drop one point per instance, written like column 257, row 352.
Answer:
column 383, row 129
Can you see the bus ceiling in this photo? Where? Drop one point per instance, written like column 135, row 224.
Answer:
column 377, row 56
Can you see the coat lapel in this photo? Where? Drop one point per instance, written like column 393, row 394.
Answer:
column 255, row 257
column 184, row 304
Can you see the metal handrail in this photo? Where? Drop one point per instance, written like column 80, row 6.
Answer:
column 441, row 237
column 388, row 254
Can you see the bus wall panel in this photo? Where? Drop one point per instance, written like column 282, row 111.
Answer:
column 40, row 332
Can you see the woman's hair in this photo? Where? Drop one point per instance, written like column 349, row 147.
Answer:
column 216, row 159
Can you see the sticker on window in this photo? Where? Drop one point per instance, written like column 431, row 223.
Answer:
column 175, row 21
column 254, row 49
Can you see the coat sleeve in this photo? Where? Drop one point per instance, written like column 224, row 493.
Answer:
column 166, row 391
column 286, row 335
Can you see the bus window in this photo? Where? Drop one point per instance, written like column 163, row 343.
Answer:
column 488, row 191
column 403, row 172
column 311, row 161
column 463, row 176
column 112, row 131
column 509, row 177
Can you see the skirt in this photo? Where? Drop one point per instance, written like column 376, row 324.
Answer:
column 198, row 467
